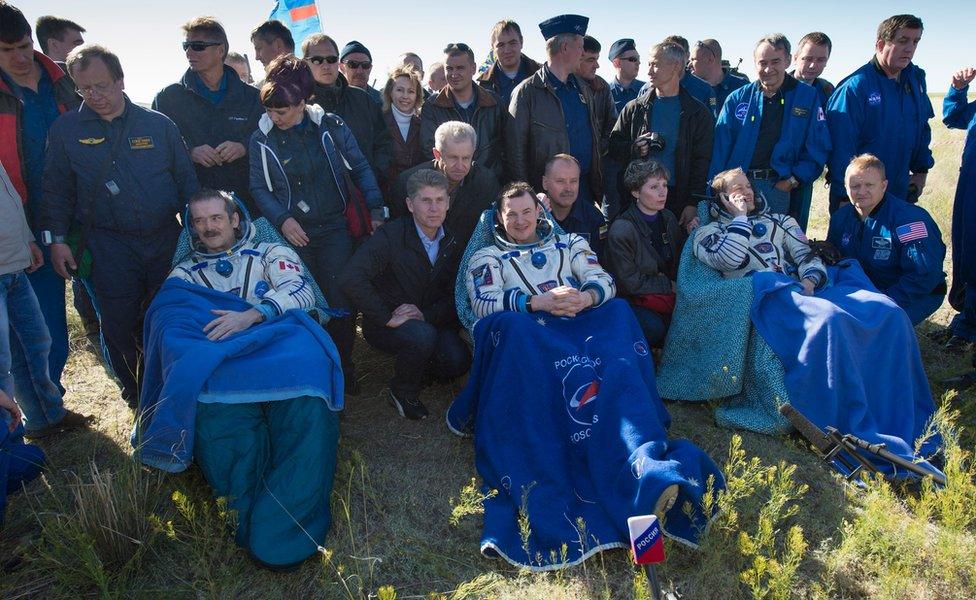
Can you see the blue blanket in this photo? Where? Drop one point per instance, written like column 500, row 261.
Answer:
column 286, row 357
column 570, row 432
column 851, row 358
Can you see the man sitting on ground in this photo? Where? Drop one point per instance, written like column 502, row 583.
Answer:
column 254, row 405
column 402, row 279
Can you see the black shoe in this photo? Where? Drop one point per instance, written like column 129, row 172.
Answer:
column 957, row 345
column 409, row 407
column 961, row 382
column 70, row 420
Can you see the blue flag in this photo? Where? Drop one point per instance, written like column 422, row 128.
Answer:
column 301, row 17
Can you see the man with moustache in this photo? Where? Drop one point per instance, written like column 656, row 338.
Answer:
column 356, row 63
column 883, row 108
column 572, row 213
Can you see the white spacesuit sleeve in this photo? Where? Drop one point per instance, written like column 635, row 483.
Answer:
column 290, row 285
column 587, row 269
column 486, row 285
column 808, row 264
column 182, row 271
column 723, row 250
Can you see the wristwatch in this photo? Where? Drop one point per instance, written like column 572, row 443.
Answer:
column 47, row 238
column 794, row 182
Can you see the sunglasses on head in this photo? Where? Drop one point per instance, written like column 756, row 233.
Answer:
column 356, row 64
column 318, row 60
column 199, row 46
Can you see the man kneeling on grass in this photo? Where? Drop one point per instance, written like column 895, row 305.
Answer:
column 241, row 377
column 402, row 279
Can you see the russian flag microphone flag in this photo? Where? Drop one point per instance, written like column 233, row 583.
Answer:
column 646, row 540
column 301, row 17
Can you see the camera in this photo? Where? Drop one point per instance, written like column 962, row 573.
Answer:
column 652, row 142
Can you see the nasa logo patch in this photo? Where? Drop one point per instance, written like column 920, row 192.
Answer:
column 741, row 111
column 640, row 348
column 874, row 99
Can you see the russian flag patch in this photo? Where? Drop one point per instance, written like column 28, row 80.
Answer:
column 910, row 232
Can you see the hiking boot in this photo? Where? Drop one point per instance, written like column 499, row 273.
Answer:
column 409, row 406
column 666, row 501
column 70, row 420
column 957, row 345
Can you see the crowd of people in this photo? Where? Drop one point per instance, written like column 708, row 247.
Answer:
column 311, row 190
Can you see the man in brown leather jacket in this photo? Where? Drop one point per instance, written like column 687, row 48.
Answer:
column 554, row 112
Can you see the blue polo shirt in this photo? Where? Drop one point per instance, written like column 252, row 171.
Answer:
column 577, row 118
column 40, row 111
column 622, row 95
column 212, row 96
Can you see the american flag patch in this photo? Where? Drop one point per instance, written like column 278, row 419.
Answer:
column 911, row 232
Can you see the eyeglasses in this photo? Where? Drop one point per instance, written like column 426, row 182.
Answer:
column 102, row 89
column 199, row 46
column 633, row 59
column 318, row 60
column 356, row 64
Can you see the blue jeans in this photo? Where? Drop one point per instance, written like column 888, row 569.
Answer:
column 653, row 324
column 49, row 289
column 777, row 201
column 22, row 327
column 800, row 200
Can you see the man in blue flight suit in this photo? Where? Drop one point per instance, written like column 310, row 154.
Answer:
column 122, row 173
column 626, row 62
column 774, row 130
column 699, row 89
column 215, row 111
column 706, row 64
column 554, row 111
column 883, row 108
column 898, row 244
column 574, row 214
column 959, row 113
column 810, row 60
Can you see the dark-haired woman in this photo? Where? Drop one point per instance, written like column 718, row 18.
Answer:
column 300, row 159
column 643, row 248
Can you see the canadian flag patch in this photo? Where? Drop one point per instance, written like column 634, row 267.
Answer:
column 289, row 266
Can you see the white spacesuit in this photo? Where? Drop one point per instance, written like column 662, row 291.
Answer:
column 504, row 275
column 761, row 241
column 269, row 276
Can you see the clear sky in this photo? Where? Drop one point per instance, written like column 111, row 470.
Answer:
column 146, row 34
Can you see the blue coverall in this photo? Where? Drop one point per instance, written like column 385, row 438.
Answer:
column 959, row 113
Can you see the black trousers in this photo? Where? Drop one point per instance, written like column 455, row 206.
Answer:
column 422, row 352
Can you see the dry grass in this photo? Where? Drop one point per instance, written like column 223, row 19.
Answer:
column 404, row 519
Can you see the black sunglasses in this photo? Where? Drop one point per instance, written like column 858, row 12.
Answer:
column 355, row 64
column 318, row 60
column 199, row 46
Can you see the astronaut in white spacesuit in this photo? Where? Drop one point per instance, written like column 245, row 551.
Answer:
column 226, row 258
column 530, row 268
column 744, row 237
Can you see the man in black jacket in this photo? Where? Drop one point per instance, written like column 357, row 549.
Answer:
column 471, row 187
column 214, row 110
column 462, row 100
column 511, row 67
column 668, row 125
column 402, row 279
column 334, row 94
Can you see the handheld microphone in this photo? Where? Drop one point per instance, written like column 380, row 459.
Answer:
column 647, row 547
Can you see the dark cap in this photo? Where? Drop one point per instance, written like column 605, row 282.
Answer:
column 564, row 24
column 621, row 46
column 353, row 47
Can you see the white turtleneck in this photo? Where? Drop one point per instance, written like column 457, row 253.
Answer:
column 402, row 120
